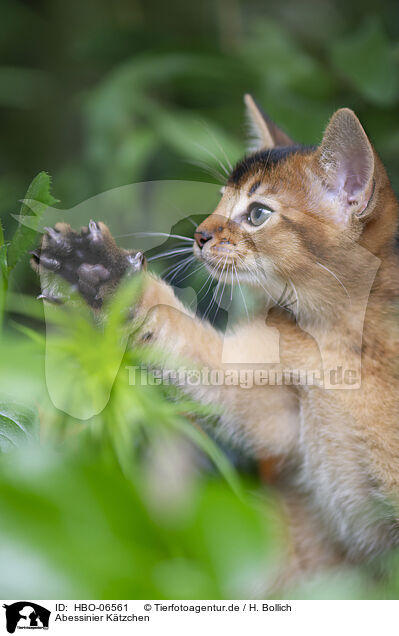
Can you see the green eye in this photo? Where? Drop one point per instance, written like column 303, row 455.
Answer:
column 258, row 213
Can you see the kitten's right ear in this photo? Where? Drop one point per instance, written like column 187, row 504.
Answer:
column 264, row 132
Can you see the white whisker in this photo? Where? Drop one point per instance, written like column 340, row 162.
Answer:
column 336, row 278
column 256, row 279
column 215, row 295
column 213, row 136
column 210, row 280
column 296, row 296
column 194, row 272
column 222, row 292
column 180, row 250
column 172, row 267
column 211, row 154
column 191, row 221
column 143, row 234
column 180, row 268
column 242, row 294
column 218, row 176
column 215, row 292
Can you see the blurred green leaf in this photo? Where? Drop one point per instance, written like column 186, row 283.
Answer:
column 37, row 200
column 18, row 424
column 23, row 87
column 3, row 275
column 366, row 59
column 93, row 532
column 286, row 65
column 206, row 444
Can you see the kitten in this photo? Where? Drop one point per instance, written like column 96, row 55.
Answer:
column 314, row 229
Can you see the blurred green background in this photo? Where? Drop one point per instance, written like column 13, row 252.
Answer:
column 105, row 94
column 101, row 94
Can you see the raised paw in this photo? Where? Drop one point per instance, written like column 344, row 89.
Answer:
column 90, row 261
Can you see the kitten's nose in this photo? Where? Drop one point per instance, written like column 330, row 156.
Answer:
column 202, row 237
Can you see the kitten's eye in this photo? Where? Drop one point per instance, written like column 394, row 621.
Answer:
column 258, row 213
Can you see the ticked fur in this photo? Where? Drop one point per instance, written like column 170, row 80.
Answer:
column 326, row 260
column 331, row 239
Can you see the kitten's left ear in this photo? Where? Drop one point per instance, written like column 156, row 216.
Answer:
column 264, row 132
column 347, row 160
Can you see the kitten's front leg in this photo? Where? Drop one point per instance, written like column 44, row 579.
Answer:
column 92, row 264
column 264, row 417
column 175, row 329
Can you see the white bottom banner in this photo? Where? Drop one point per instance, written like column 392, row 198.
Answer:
column 156, row 617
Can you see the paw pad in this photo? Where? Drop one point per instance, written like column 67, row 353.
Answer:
column 90, row 261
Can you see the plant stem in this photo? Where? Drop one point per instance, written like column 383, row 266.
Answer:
column 3, row 276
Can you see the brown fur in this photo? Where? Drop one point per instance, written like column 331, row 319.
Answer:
column 327, row 254
column 338, row 449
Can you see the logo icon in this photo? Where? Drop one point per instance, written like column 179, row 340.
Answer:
column 26, row 615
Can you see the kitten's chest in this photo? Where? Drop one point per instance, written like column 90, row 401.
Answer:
column 335, row 473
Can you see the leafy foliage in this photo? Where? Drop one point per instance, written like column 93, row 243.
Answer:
column 93, row 536
column 18, row 424
column 100, row 515
column 367, row 60
column 37, row 200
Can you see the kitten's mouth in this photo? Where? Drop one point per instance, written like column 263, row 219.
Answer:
column 220, row 262
column 216, row 255
column 225, row 269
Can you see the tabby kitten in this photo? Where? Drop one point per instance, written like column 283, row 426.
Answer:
column 314, row 228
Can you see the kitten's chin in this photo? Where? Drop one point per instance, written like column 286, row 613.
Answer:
column 225, row 266
column 228, row 271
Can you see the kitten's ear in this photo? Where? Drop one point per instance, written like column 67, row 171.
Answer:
column 347, row 160
column 264, row 133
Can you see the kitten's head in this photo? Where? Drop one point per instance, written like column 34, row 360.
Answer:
column 293, row 217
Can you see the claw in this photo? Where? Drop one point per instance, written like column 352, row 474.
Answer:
column 93, row 226
column 50, row 263
column 136, row 261
column 52, row 233
column 59, row 239
column 50, row 299
column 95, row 233
column 36, row 256
column 139, row 257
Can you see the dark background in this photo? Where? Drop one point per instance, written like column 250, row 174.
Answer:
column 102, row 94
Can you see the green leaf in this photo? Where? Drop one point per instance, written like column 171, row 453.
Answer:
column 208, row 446
column 366, row 59
column 1, row 235
column 35, row 203
column 3, row 275
column 18, row 424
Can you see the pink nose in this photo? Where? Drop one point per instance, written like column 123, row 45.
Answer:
column 202, row 237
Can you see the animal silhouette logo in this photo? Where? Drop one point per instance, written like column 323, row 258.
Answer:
column 26, row 615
